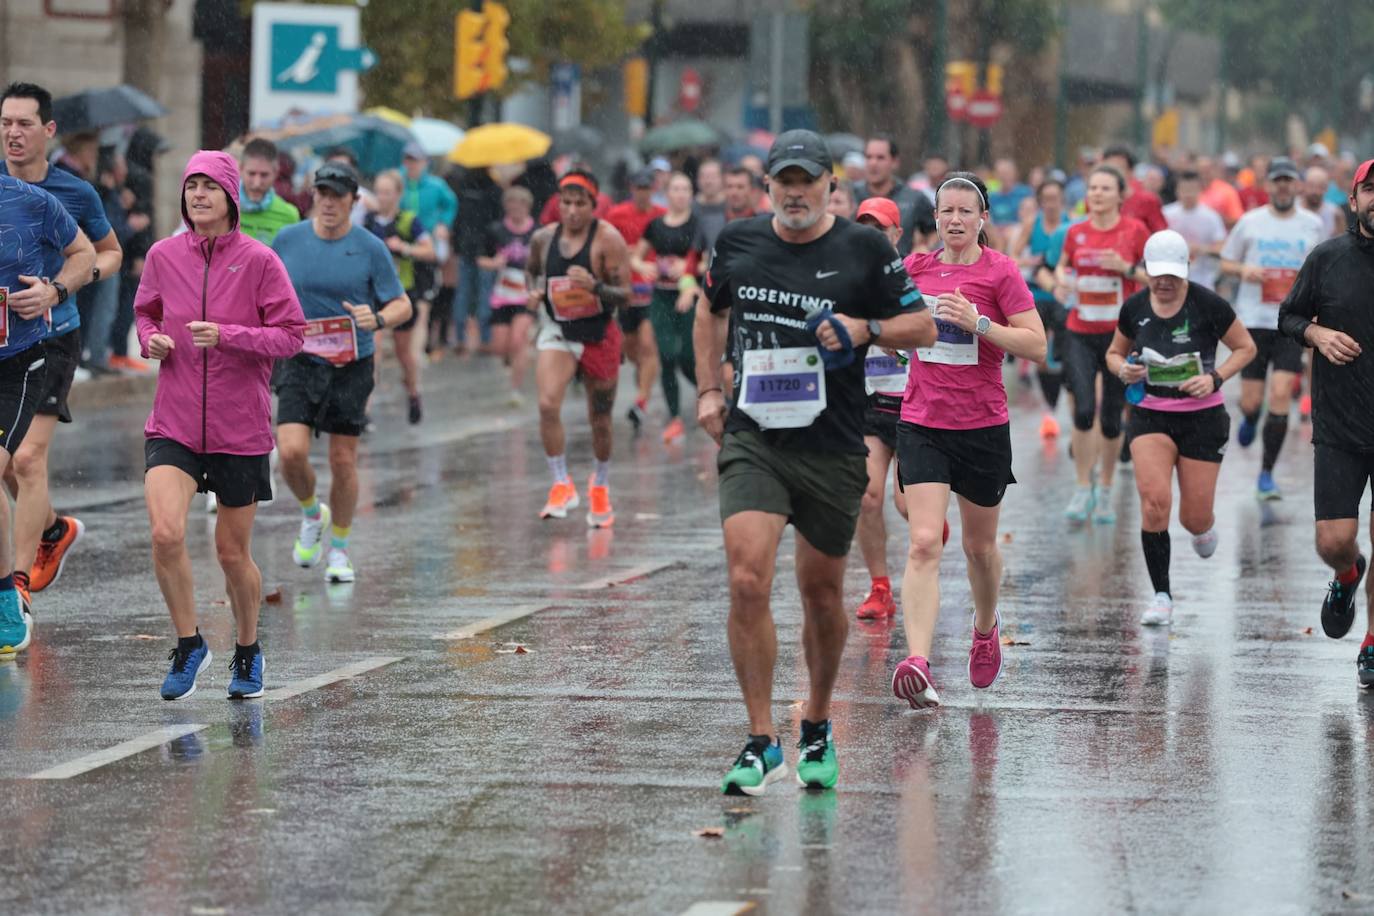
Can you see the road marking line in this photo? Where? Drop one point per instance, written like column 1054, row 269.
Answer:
column 469, row 630
column 297, row 688
column 626, row 576
column 719, row 908
column 155, row 738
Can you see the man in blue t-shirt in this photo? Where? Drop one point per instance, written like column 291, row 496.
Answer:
column 33, row 225
column 41, row 538
column 348, row 288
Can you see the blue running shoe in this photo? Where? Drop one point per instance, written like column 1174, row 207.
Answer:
column 1364, row 665
column 180, row 682
column 245, row 674
column 1245, row 433
column 1266, row 490
column 16, row 627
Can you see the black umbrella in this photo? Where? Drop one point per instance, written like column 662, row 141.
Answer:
column 581, row 140
column 97, row 108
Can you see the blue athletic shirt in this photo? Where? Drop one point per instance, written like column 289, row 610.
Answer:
column 33, row 226
column 1049, row 246
column 81, row 201
column 327, row 272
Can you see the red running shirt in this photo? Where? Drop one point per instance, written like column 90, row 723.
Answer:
column 1102, row 292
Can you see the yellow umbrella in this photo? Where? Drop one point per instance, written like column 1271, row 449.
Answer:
column 499, row 144
column 390, row 114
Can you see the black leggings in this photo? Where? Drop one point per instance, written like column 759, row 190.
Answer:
column 1085, row 355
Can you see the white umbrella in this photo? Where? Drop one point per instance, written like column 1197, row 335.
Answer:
column 435, row 137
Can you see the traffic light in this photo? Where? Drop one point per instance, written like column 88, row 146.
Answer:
column 497, row 45
column 479, row 50
column 467, row 54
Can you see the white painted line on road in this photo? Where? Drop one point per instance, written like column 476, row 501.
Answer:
column 144, row 742
column 718, row 908
column 329, row 677
column 629, row 575
column 467, row 631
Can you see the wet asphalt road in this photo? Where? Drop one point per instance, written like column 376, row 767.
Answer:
column 416, row 754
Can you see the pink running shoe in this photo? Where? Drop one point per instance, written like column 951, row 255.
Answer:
column 985, row 657
column 911, row 682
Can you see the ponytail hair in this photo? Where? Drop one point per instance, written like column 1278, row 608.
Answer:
column 966, row 180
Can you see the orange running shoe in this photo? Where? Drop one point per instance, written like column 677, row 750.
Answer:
column 675, row 431
column 599, row 513
column 52, row 555
column 1049, row 427
column 562, row 497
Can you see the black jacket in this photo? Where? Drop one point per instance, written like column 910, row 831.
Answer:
column 1335, row 288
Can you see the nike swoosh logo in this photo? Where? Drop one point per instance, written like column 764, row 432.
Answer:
column 946, row 273
column 822, row 274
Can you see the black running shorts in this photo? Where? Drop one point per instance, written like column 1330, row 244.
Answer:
column 237, row 480
column 328, row 399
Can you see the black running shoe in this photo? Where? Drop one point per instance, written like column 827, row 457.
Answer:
column 1338, row 610
column 1364, row 666
column 416, row 413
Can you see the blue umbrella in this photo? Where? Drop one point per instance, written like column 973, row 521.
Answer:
column 377, row 142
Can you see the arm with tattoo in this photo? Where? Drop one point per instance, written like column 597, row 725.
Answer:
column 535, row 264
column 613, row 267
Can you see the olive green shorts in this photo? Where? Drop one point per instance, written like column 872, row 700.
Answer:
column 818, row 492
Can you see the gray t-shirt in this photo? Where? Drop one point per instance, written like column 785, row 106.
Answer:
column 710, row 220
column 328, row 272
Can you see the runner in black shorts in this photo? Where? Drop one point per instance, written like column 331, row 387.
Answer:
column 1171, row 330
column 1328, row 309
column 792, row 445
column 506, row 246
column 215, row 307
column 349, row 289
column 41, row 538
column 1265, row 250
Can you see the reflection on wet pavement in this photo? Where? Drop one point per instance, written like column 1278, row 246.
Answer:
column 508, row 715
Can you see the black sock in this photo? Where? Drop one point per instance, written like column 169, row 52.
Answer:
column 1050, row 383
column 1156, row 547
column 760, row 743
column 809, row 727
column 55, row 533
column 1275, row 428
column 254, row 649
column 190, row 643
column 1252, row 418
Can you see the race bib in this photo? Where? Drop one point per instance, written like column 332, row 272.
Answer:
column 1099, row 298
column 953, row 345
column 784, row 388
column 641, row 291
column 510, row 285
column 332, row 339
column 884, row 373
column 1171, row 372
column 1276, row 284
column 4, row 316
column 571, row 302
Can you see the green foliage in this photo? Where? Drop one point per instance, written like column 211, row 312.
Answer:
column 414, row 44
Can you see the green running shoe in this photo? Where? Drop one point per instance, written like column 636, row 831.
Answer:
column 757, row 765
column 309, row 546
column 817, row 767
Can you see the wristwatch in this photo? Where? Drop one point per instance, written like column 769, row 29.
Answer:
column 95, row 273
column 381, row 322
column 875, row 328
column 1216, row 379
column 61, row 291
column 982, row 325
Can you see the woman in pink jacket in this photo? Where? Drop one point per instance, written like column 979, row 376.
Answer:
column 217, row 308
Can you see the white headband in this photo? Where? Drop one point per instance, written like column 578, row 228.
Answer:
column 959, row 179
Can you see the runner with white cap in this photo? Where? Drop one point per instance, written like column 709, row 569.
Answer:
column 1167, row 338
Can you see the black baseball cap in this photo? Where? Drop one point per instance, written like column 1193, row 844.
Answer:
column 338, row 177
column 644, row 178
column 1283, row 167
column 801, row 148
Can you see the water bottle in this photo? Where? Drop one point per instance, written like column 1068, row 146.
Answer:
column 1135, row 392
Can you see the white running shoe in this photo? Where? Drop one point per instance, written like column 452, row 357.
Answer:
column 339, row 567
column 310, row 542
column 1160, row 613
column 1103, row 511
column 1081, row 505
column 1205, row 544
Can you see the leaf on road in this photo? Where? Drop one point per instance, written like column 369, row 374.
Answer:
column 1012, row 641
column 710, row 833
column 1306, row 631
column 1006, row 537
column 273, row 597
column 521, row 650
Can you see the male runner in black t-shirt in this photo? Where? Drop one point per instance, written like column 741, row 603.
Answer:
column 1328, row 309
column 792, row 445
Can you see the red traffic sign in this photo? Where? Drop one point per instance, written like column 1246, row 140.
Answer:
column 984, row 109
column 956, row 103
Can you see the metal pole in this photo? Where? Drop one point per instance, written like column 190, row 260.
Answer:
column 652, row 49
column 775, row 75
column 1142, row 74
column 1061, row 102
column 935, row 105
column 1222, row 90
column 475, row 103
